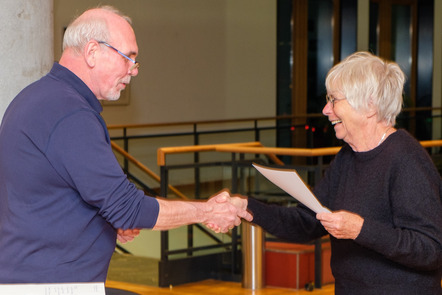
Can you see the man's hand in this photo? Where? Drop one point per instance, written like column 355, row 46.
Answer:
column 236, row 209
column 127, row 235
column 218, row 211
column 341, row 224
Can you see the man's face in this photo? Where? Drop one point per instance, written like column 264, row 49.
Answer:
column 116, row 70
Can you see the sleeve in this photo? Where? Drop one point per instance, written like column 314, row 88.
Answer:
column 414, row 238
column 295, row 224
column 80, row 153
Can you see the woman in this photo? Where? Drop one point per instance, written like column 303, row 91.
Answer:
column 383, row 189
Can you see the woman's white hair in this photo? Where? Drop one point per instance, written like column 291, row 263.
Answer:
column 83, row 29
column 369, row 83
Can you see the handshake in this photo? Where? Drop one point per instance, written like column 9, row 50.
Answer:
column 226, row 212
column 220, row 213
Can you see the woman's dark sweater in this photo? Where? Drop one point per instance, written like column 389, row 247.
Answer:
column 398, row 191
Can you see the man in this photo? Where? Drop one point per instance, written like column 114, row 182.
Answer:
column 62, row 193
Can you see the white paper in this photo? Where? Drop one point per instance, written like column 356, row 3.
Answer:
column 290, row 182
column 53, row 289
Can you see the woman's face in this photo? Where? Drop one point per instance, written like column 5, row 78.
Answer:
column 348, row 123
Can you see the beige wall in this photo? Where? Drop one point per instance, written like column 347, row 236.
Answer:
column 200, row 59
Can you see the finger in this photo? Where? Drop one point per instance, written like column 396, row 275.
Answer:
column 121, row 239
column 213, row 227
column 222, row 197
column 246, row 215
column 224, row 230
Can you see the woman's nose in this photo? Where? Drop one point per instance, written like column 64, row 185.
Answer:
column 328, row 108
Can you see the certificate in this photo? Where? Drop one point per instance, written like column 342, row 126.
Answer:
column 290, row 182
column 53, row 289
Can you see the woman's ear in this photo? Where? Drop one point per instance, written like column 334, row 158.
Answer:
column 372, row 110
column 371, row 113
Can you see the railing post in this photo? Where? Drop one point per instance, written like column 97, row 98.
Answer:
column 253, row 256
column 257, row 135
column 164, row 234
column 234, row 189
column 318, row 264
column 196, row 159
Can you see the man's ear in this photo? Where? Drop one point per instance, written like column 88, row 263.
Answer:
column 90, row 52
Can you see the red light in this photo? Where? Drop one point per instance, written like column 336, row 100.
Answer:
column 307, row 127
column 292, row 128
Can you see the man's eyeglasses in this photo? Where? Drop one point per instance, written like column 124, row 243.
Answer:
column 331, row 99
column 136, row 64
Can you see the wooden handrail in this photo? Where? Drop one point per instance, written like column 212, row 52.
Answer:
column 181, row 149
column 161, row 152
column 281, row 151
column 245, row 147
column 258, row 148
column 254, row 147
column 431, row 143
column 146, row 170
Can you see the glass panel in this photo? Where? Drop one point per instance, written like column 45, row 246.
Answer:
column 425, row 69
column 401, row 33
column 374, row 28
column 349, row 11
column 320, row 51
column 320, row 60
column 284, row 71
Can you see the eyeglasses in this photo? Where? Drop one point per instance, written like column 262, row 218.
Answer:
column 331, row 99
column 136, row 64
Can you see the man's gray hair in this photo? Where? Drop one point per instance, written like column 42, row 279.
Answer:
column 83, row 29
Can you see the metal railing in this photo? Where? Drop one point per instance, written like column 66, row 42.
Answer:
column 237, row 162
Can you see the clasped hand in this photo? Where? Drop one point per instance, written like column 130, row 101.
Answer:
column 220, row 213
column 127, row 235
column 226, row 212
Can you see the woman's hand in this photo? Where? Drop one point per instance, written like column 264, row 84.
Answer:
column 341, row 224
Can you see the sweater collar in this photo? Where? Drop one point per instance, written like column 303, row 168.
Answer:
column 75, row 82
column 368, row 155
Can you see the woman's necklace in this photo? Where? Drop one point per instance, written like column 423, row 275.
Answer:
column 383, row 136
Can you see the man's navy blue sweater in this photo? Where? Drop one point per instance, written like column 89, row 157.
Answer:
column 62, row 192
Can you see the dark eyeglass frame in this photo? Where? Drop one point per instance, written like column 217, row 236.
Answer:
column 136, row 64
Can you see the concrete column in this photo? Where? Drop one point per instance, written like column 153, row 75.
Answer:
column 26, row 45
